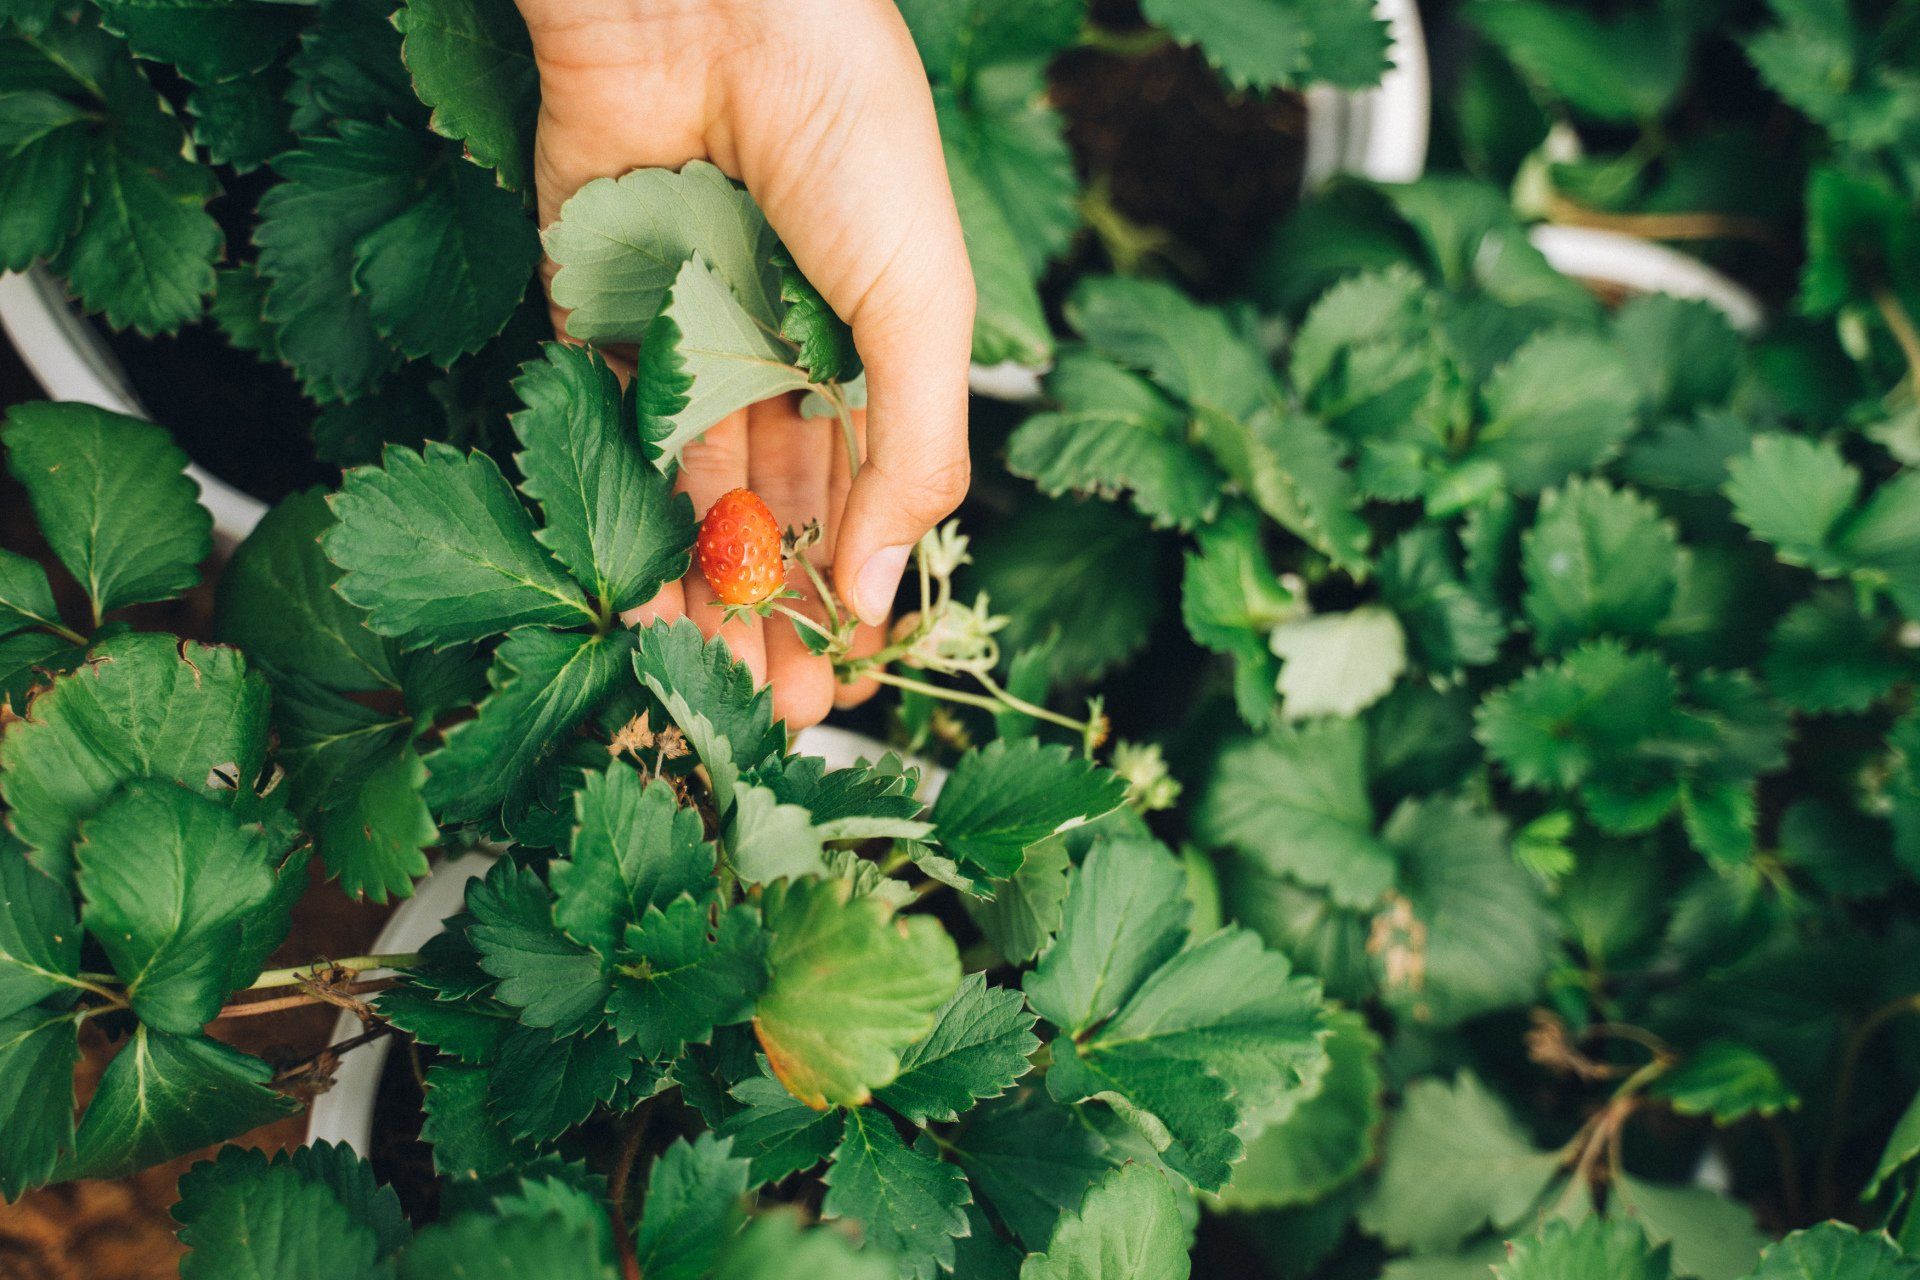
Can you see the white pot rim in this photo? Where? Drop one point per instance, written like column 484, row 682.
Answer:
column 344, row 1113
column 1642, row 267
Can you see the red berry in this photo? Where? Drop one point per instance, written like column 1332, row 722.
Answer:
column 739, row 549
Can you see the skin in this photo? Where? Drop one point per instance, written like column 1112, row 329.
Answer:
column 822, row 108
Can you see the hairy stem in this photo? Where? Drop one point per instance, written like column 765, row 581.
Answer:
column 320, row 969
column 280, row 1004
column 1001, row 702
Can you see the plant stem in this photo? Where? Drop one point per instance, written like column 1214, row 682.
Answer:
column 281, row 1004
column 1894, row 312
column 631, row 1140
column 847, row 433
column 1124, row 44
column 319, row 969
column 1002, row 701
column 827, row 601
column 801, row 619
column 1028, row 708
column 333, row 1050
column 1824, row 1184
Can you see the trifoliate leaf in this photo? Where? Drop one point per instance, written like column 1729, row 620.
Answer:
column 1219, row 1033
column 26, row 598
column 437, row 548
column 1824, row 656
column 544, row 684
column 851, row 989
column 374, row 840
column 1025, row 910
column 1446, row 624
column 472, row 62
column 110, row 495
column 348, row 67
column 554, row 981
column 1468, row 932
column 1794, row 493
column 165, row 1095
column 1338, row 664
column 612, row 519
column 674, row 983
column 1231, row 599
column 443, row 276
column 469, row 1137
column 633, row 847
column 143, row 706
column 1726, row 1081
column 276, row 601
column 38, row 1051
column 545, row 1084
column 1598, row 561
column 1295, row 800
column 1189, row 350
column 1684, row 351
column 907, row 1201
column 694, row 1196
column 1114, row 433
column 1125, row 916
column 39, row 937
column 1127, row 1228
column 1031, row 1159
column 979, row 1046
column 242, row 1215
column 171, row 879
column 1712, row 1236
column 1456, row 1161
column 778, row 1133
column 1564, row 403
column 1008, row 796
column 1319, row 1141
column 1559, row 722
column 547, row 1247
column 776, row 1246
column 1597, row 1249
column 620, row 243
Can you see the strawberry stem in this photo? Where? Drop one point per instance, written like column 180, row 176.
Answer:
column 1003, row 701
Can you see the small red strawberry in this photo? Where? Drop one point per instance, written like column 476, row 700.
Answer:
column 739, row 549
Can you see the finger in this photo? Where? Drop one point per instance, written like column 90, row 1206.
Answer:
column 857, row 188
column 714, row 464
column 789, row 463
column 867, row 640
column 669, row 604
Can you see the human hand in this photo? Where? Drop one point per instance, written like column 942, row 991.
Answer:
column 822, row 109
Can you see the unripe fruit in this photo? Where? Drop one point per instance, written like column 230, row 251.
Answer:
column 739, row 549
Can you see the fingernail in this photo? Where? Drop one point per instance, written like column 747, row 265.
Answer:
column 879, row 579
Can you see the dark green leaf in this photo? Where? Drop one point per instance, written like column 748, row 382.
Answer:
column 633, row 847
column 679, row 977
column 1007, row 797
column 553, row 980
column 472, row 62
column 693, row 1207
column 979, row 1046
column 907, row 1201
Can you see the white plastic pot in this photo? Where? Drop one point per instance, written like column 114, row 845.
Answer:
column 344, row 1113
column 1640, row 267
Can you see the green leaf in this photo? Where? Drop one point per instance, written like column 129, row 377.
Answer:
column 545, row 1084
column 693, row 1208
column 26, row 598
column 1115, row 433
column 472, row 62
column 469, row 1137
column 546, row 1247
column 679, row 976
column 375, row 840
column 1823, row 655
column 436, row 547
column 1025, row 911
column 1279, row 43
column 1903, row 1144
column 1217, row 1034
column 1728, row 1082
column 825, row 341
column 716, row 357
column 692, row 674
column 1032, row 1160
column 979, row 1046
column 39, row 937
column 165, row 1095
column 1562, row 404
column 39, row 1049
column 633, row 847
column 621, row 242
column 443, row 276
column 1295, row 800
column 1128, row 1228
column 612, row 519
column 544, row 684
column 205, row 40
column 776, row 1246
column 1596, row 1249
column 143, row 706
column 1009, row 322
column 1794, row 493
column 1125, row 916
column 171, row 880
column 145, row 250
column 242, row 124
column 1008, row 796
column 242, row 1215
column 1482, row 937
column 1713, row 1237
column 468, row 1031
column 1456, row 1161
column 1598, row 561
column 1558, row 723
column 1318, row 1141
column 109, row 494
column 852, row 988
column 1338, row 664
column 276, row 601
column 1644, row 65
column 1191, row 351
column 1294, row 469
column 1684, row 350
column 1447, row 625
column 766, row 839
column 777, row 1132
column 958, row 38
column 54, row 168
column 907, row 1201
column 1231, row 599
column 349, row 68
column 554, row 981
